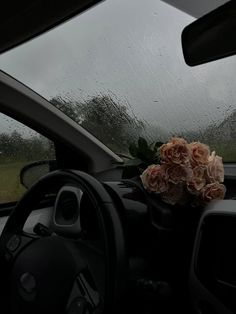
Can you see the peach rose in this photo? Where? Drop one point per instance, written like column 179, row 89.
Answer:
column 199, row 153
column 176, row 151
column 154, row 179
column 198, row 180
column 213, row 191
column 179, row 173
column 175, row 195
column 215, row 168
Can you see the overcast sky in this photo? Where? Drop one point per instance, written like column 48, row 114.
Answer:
column 130, row 48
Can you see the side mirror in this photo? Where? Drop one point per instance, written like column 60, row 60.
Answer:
column 211, row 37
column 32, row 172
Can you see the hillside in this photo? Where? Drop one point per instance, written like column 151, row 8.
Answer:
column 224, row 131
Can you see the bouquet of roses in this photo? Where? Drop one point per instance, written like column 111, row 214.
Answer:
column 187, row 173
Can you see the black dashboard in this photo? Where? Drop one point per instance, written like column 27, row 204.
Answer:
column 162, row 246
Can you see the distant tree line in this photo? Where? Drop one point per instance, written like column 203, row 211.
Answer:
column 107, row 119
column 15, row 147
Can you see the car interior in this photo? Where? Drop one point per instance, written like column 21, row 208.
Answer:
column 83, row 236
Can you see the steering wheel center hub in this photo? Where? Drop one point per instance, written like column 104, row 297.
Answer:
column 43, row 274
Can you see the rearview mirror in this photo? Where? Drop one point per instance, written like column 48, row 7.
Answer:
column 32, row 172
column 211, row 37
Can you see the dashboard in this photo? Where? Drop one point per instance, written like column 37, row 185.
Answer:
column 160, row 242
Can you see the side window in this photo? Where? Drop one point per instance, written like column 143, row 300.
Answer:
column 19, row 146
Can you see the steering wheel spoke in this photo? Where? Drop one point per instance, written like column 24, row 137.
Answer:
column 85, row 295
column 88, row 291
column 11, row 244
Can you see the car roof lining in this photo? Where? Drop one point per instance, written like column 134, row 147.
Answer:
column 22, row 20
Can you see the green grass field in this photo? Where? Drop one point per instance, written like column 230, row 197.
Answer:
column 226, row 150
column 10, row 188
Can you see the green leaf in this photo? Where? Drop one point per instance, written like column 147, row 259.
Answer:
column 142, row 144
column 157, row 158
column 158, row 145
column 133, row 149
column 143, row 154
column 133, row 162
column 151, row 155
column 152, row 146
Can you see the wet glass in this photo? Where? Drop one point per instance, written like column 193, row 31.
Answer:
column 119, row 72
column 19, row 146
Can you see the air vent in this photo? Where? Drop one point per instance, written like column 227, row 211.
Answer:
column 66, row 216
column 67, row 208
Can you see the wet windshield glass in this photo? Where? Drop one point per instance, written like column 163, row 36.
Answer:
column 118, row 71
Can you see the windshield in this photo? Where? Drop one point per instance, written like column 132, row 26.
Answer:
column 118, row 71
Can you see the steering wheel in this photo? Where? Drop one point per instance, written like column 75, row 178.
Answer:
column 60, row 272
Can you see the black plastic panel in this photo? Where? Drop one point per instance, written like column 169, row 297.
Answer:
column 212, row 279
column 216, row 263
